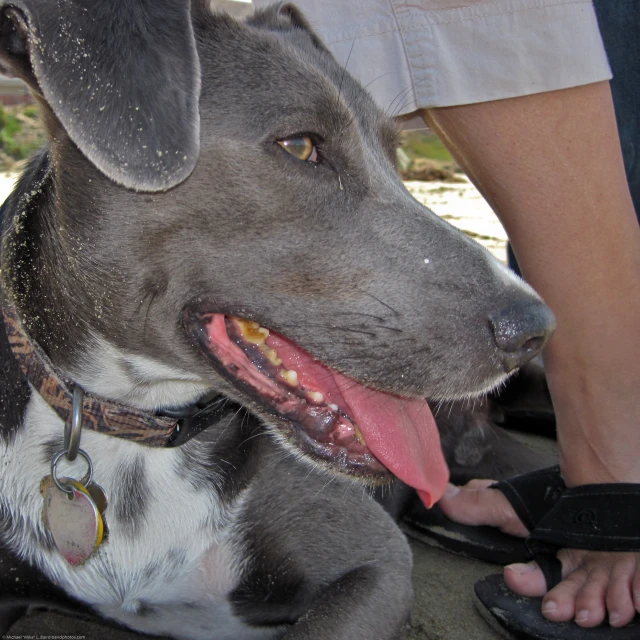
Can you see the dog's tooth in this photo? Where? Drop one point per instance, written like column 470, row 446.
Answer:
column 359, row 436
column 335, row 407
column 315, row 396
column 290, row 376
column 271, row 354
column 251, row 331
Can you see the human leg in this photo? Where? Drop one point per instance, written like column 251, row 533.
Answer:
column 550, row 165
column 619, row 22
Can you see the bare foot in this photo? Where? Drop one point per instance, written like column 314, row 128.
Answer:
column 595, row 585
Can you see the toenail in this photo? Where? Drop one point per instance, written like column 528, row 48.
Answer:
column 521, row 568
column 549, row 607
column 614, row 618
column 451, row 491
column 582, row 616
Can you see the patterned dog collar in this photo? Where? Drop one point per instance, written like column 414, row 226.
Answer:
column 100, row 414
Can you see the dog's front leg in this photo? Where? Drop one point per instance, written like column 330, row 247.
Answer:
column 366, row 603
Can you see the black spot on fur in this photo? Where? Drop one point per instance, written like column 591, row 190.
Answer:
column 51, row 447
column 168, row 566
column 146, row 610
column 130, row 505
column 152, row 570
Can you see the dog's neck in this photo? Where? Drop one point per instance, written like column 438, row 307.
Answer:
column 31, row 271
column 44, row 325
column 100, row 414
column 103, row 416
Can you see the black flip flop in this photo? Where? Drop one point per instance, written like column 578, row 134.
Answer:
column 599, row 517
column 531, row 495
column 519, row 618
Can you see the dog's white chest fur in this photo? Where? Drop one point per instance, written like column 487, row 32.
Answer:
column 169, row 555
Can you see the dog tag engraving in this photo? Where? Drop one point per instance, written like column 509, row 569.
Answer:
column 73, row 519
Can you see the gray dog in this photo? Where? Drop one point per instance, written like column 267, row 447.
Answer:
column 214, row 276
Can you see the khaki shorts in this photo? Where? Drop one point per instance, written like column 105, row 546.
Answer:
column 436, row 53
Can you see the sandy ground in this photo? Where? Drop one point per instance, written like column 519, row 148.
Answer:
column 7, row 180
column 444, row 608
column 463, row 206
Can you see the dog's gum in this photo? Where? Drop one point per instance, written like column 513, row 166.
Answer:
column 319, row 422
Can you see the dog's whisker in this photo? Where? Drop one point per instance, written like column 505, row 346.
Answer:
column 405, row 93
column 362, row 91
column 253, row 436
column 394, row 329
column 276, row 459
column 390, row 111
column 358, row 313
column 402, row 95
column 344, row 69
column 384, row 304
column 142, row 301
column 228, row 423
column 329, row 482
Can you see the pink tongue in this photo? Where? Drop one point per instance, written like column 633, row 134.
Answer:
column 400, row 432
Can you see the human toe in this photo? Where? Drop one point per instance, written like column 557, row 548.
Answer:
column 620, row 592
column 477, row 504
column 526, row 579
column 590, row 604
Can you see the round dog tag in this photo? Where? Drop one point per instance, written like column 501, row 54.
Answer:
column 73, row 520
column 98, row 496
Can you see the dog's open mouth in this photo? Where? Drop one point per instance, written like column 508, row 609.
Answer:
column 331, row 418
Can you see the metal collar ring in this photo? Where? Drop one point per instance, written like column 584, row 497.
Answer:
column 73, row 431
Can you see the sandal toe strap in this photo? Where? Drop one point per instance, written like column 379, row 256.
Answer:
column 532, row 494
column 597, row 517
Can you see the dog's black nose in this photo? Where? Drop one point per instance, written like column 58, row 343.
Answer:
column 520, row 331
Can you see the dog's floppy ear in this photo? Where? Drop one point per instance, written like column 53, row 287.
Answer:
column 121, row 76
column 284, row 17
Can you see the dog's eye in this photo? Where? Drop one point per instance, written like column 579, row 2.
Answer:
column 300, row 147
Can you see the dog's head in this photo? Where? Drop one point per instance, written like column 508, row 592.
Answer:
column 220, row 207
